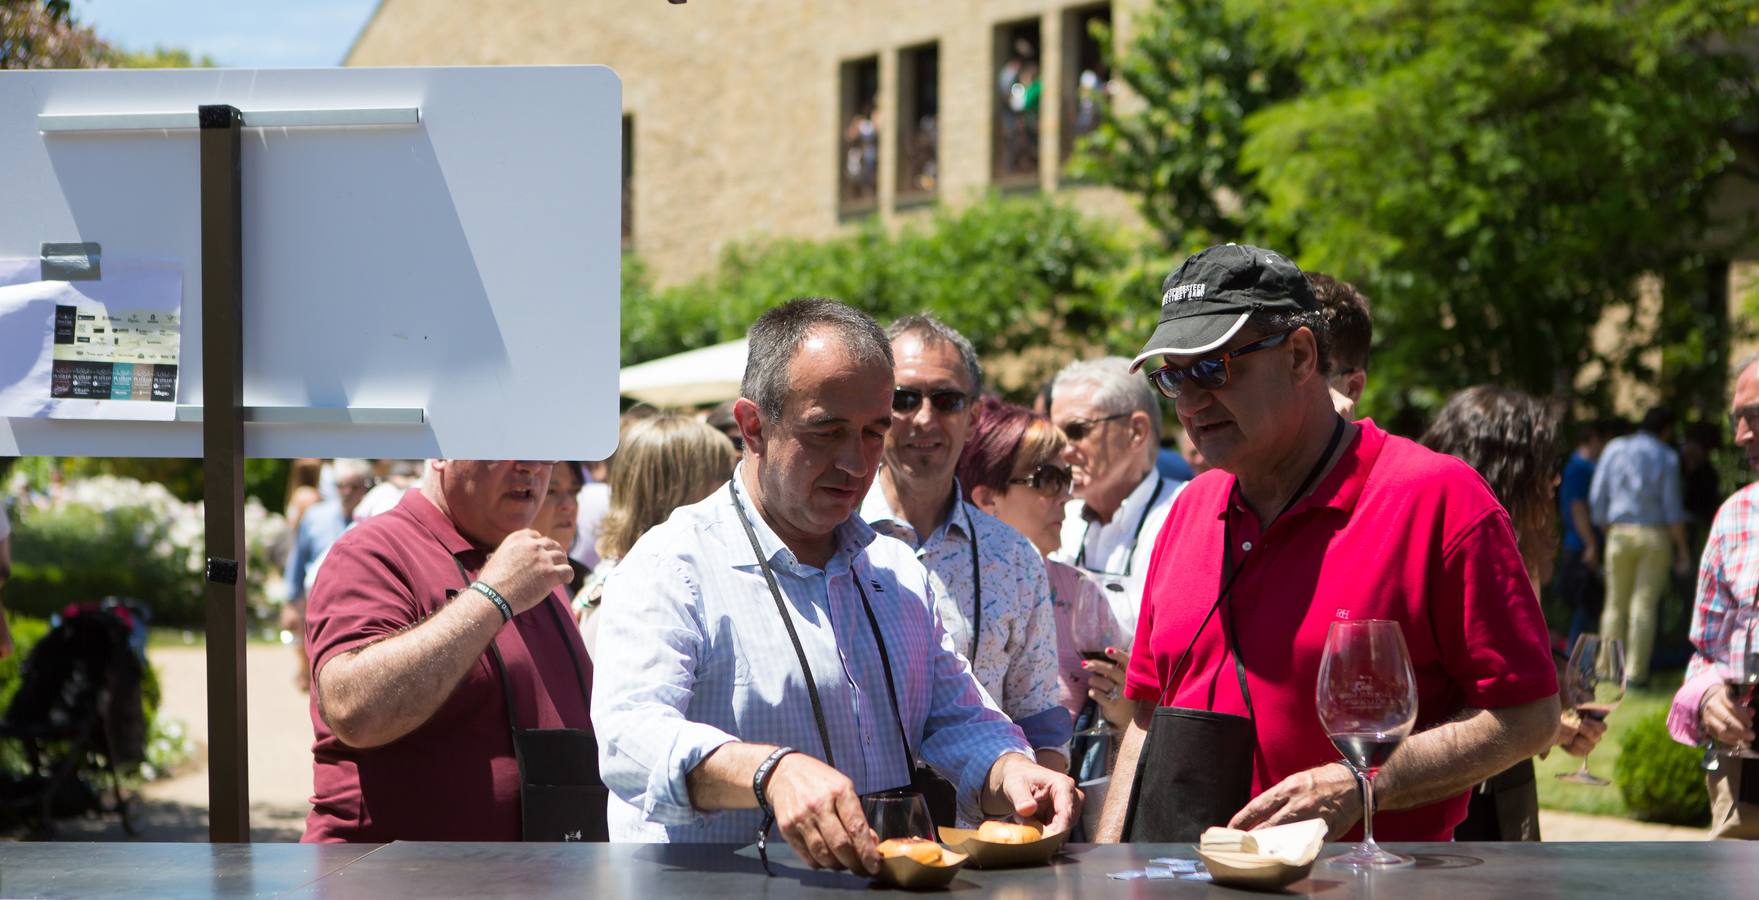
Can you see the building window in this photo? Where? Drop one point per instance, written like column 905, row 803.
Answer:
column 1087, row 79
column 919, row 101
column 628, row 181
column 858, row 163
column 1018, row 89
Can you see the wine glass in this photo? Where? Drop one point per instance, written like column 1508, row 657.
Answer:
column 897, row 814
column 1092, row 633
column 1594, row 683
column 1367, row 704
column 1743, row 669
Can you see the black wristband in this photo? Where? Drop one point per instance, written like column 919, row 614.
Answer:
column 760, row 780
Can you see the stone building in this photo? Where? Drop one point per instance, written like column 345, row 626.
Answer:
column 746, row 118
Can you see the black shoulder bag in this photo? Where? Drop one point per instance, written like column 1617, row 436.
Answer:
column 1195, row 768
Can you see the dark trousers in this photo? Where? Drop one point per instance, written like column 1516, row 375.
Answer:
column 1584, row 590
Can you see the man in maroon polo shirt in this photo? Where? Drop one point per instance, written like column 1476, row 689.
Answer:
column 1323, row 521
column 414, row 737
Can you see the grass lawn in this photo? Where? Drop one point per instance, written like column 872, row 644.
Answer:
column 1602, row 801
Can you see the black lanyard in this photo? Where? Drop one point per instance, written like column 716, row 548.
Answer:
column 1130, row 559
column 501, row 668
column 1230, row 572
column 818, row 712
column 976, row 588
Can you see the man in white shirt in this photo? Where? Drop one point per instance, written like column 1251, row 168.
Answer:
column 1112, row 419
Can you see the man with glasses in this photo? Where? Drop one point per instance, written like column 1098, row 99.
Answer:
column 1725, row 635
column 1307, row 520
column 764, row 658
column 992, row 594
column 1112, row 419
column 438, row 639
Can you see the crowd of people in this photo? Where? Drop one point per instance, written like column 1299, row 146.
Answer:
column 869, row 573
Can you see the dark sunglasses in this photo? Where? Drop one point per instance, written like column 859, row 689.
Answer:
column 1077, row 430
column 1048, row 479
column 909, row 400
column 1208, row 374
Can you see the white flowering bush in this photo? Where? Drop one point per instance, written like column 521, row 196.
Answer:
column 108, row 536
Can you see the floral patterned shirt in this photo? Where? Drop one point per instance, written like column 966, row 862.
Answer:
column 1016, row 658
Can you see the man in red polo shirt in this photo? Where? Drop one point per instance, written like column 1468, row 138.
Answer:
column 1324, row 522
column 423, row 622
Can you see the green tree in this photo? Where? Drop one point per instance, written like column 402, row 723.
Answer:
column 1199, row 73
column 1495, row 173
column 41, row 34
column 1500, row 172
column 1015, row 274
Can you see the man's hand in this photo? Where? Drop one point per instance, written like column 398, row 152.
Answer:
column 526, row 568
column 1728, row 723
column 1682, row 564
column 1033, row 792
column 1591, row 555
column 1578, row 735
column 1328, row 792
column 1107, row 687
column 820, row 815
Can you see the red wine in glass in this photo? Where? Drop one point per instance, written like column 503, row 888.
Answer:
column 1367, row 699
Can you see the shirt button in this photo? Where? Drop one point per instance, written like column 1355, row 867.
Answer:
column 1246, row 545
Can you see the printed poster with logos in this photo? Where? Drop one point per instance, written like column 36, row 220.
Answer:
column 95, row 348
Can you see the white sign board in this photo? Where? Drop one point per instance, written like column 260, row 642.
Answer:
column 464, row 267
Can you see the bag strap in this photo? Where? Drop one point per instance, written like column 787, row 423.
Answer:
column 1160, row 484
column 886, row 664
column 818, row 711
column 1230, row 572
column 501, row 666
column 976, row 588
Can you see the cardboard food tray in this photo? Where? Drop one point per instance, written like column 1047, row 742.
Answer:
column 905, row 872
column 1250, row 870
column 986, row 855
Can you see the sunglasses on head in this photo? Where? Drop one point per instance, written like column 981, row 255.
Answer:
column 909, row 400
column 1049, row 479
column 1209, row 374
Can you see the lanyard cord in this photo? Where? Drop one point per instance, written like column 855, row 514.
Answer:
column 1233, row 572
column 1129, row 560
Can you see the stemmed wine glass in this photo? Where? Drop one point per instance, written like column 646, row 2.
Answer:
column 1092, row 634
column 1367, row 704
column 1743, row 666
column 1594, row 683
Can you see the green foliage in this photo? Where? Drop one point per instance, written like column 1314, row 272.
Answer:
column 158, row 58
column 1195, row 64
column 1499, row 172
column 1659, row 777
column 75, row 554
column 1014, row 274
column 264, row 479
column 41, row 34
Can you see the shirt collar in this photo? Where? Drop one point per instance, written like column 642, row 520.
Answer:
column 436, row 522
column 877, row 512
column 852, row 535
column 1131, row 508
column 1342, row 486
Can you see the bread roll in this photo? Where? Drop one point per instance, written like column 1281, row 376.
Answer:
column 1008, row 833
column 926, row 852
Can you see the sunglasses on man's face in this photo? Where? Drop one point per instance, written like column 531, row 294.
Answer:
column 1049, row 479
column 1209, row 374
column 909, row 400
column 1077, row 430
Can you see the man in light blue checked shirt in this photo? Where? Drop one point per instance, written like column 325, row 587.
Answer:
column 1635, row 498
column 708, row 721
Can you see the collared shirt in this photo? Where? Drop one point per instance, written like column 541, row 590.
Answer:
column 321, row 525
column 1637, row 482
column 1728, row 578
column 1116, row 552
column 693, row 654
column 1395, row 532
column 454, row 778
column 1016, row 660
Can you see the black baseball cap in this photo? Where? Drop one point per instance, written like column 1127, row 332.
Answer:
column 1207, row 300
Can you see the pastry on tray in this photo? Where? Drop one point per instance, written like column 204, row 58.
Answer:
column 925, row 852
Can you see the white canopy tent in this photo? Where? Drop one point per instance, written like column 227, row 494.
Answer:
column 692, row 378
